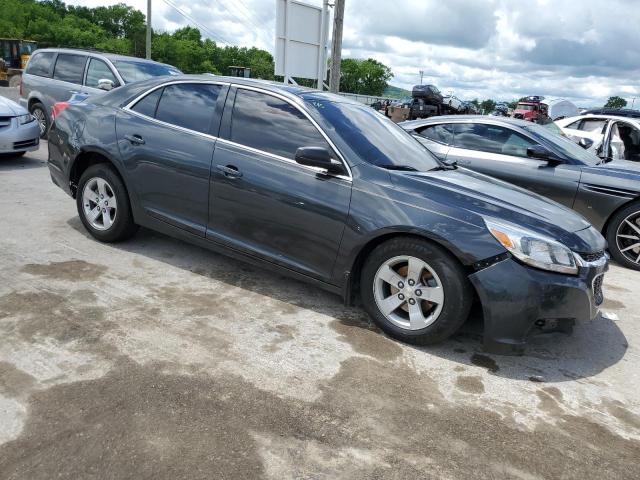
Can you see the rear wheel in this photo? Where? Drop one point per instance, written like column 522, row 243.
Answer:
column 415, row 291
column 623, row 236
column 40, row 114
column 103, row 204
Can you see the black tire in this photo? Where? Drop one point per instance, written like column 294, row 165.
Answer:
column 615, row 223
column 37, row 110
column 455, row 284
column 123, row 226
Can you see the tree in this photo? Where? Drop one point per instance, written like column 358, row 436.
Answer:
column 487, row 105
column 616, row 102
column 366, row 77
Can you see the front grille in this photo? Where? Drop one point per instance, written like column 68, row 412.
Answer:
column 25, row 144
column 598, row 296
column 592, row 257
column 518, row 115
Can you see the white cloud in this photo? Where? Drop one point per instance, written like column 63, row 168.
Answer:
column 585, row 50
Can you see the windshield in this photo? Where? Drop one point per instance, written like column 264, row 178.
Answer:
column 375, row 138
column 133, row 71
column 566, row 146
column 525, row 107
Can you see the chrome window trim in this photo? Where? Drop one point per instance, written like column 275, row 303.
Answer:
column 313, row 122
column 128, row 108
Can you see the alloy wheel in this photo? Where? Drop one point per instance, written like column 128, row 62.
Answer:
column 628, row 237
column 99, row 203
column 408, row 292
column 41, row 119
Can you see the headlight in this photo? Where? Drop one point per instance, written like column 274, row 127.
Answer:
column 533, row 248
column 24, row 119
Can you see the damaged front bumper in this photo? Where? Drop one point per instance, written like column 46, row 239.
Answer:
column 518, row 300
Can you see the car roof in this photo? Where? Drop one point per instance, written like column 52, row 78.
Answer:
column 97, row 53
column 123, row 95
column 575, row 118
column 412, row 124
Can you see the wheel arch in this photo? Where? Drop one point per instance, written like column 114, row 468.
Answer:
column 605, row 227
column 352, row 282
column 85, row 159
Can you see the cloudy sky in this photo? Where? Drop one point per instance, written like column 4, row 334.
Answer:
column 585, row 50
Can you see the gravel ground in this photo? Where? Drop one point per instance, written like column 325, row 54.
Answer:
column 157, row 359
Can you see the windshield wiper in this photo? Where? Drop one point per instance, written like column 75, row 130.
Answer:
column 402, row 168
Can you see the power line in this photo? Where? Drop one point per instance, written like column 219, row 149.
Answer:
column 259, row 30
column 197, row 24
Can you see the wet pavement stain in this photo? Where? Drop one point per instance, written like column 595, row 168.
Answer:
column 470, row 384
column 285, row 333
column 140, row 422
column 618, row 410
column 365, row 338
column 71, row 270
column 485, row 361
column 13, row 381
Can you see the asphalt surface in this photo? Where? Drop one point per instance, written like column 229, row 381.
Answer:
column 157, row 359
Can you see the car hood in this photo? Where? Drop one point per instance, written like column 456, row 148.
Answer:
column 482, row 195
column 9, row 108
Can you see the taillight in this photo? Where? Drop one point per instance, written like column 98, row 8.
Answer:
column 58, row 108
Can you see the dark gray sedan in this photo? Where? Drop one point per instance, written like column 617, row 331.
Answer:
column 607, row 193
column 331, row 192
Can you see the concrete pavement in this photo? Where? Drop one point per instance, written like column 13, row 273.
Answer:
column 157, row 359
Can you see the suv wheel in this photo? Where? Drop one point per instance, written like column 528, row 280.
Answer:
column 40, row 114
column 415, row 291
column 103, row 204
column 623, row 236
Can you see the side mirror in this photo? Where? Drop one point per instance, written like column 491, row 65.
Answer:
column 318, row 157
column 539, row 152
column 105, row 84
column 585, row 143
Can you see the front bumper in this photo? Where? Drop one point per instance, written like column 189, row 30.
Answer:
column 15, row 138
column 516, row 299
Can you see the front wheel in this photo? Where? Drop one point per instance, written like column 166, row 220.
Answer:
column 103, row 204
column 415, row 291
column 623, row 236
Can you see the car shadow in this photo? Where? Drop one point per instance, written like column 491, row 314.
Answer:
column 593, row 346
column 12, row 162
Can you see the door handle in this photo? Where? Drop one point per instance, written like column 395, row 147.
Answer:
column 229, row 171
column 135, row 139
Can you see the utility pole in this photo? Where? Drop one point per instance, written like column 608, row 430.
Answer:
column 336, row 46
column 421, row 75
column 148, row 52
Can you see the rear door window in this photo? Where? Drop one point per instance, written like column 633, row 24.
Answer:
column 97, row 71
column 147, row 106
column 189, row 105
column 41, row 64
column 272, row 125
column 70, row 68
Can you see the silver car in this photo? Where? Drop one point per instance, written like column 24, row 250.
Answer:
column 19, row 132
column 56, row 74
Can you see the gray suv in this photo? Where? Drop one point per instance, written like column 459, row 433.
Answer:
column 56, row 74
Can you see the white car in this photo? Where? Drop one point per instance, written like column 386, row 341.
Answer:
column 607, row 136
column 452, row 102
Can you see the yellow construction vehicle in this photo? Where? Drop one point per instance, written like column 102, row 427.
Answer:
column 14, row 55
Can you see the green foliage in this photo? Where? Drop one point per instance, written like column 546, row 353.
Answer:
column 616, row 102
column 488, row 105
column 366, row 77
column 395, row 92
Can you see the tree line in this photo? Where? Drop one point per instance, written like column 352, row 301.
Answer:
column 121, row 29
